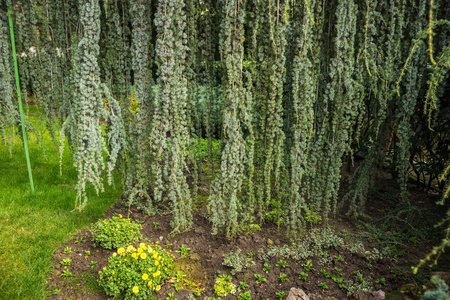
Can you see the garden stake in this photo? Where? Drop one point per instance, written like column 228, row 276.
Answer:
column 22, row 119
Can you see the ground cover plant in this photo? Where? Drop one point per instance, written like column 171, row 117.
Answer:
column 325, row 120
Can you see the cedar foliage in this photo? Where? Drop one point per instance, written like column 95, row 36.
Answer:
column 293, row 89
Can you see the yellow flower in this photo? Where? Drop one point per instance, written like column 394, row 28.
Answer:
column 150, row 282
column 158, row 287
column 114, row 254
column 157, row 273
column 121, row 251
column 135, row 255
column 156, row 262
column 120, row 216
column 143, row 255
column 135, row 289
column 145, row 276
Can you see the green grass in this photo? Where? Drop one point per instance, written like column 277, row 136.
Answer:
column 33, row 227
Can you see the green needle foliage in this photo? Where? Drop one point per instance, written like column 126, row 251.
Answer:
column 248, row 108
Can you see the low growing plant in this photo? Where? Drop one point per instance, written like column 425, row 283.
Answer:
column 68, row 250
column 136, row 273
column 184, row 251
column 245, row 296
column 281, row 263
column 66, row 262
column 303, row 276
column 266, row 268
column 283, row 277
column 223, row 286
column 115, row 232
column 280, row 295
column 242, row 285
column 66, row 273
column 308, row 266
column 237, row 261
column 323, row 286
column 260, row 278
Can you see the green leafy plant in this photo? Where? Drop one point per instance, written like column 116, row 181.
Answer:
column 170, row 296
column 369, row 266
column 115, row 232
column 308, row 266
column 79, row 241
column 340, row 282
column 281, row 263
column 266, row 267
column 156, row 224
column 324, row 273
column 180, row 276
column 237, row 261
column 260, row 278
column 280, row 295
column 283, row 277
column 250, row 254
column 251, row 228
column 381, row 280
column 66, row 262
column 312, row 217
column 339, row 271
column 184, row 251
column 68, row 250
column 176, row 287
column 245, row 296
column 93, row 263
column 146, row 268
column 338, row 258
column 323, row 285
column 87, row 253
column 198, row 292
column 242, row 285
column 169, row 245
column 66, row 273
column 223, row 286
column 303, row 276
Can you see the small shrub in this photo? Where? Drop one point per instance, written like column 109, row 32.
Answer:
column 135, row 273
column 237, row 261
column 223, row 286
column 115, row 232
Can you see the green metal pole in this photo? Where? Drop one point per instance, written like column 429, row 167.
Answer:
column 22, row 119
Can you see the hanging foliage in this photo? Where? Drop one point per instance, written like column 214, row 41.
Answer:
column 87, row 109
column 8, row 110
column 140, row 127
column 170, row 135
column 224, row 204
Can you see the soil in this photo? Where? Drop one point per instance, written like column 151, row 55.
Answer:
column 207, row 250
column 205, row 263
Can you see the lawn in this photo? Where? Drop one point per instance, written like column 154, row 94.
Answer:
column 34, row 226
